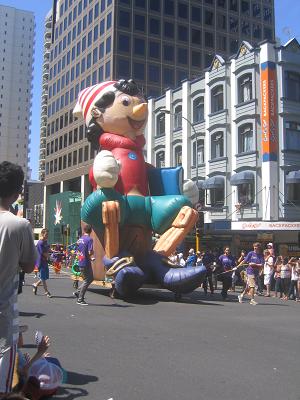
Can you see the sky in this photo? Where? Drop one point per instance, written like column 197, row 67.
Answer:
column 287, row 14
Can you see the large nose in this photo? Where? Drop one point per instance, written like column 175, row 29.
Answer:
column 140, row 110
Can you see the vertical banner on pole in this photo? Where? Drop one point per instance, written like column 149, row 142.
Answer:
column 269, row 111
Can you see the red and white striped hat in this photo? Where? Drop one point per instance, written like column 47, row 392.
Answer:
column 88, row 97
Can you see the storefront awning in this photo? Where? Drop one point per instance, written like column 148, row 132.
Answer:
column 242, row 177
column 200, row 185
column 293, row 177
column 215, row 182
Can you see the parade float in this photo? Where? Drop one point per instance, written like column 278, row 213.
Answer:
column 131, row 199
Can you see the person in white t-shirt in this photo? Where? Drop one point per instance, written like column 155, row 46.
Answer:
column 268, row 270
column 17, row 250
column 295, row 279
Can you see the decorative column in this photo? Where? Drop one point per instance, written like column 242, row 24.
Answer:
column 186, row 129
column 269, row 132
column 168, row 130
column 234, row 136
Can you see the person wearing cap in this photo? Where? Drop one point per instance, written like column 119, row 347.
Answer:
column 191, row 259
column 268, row 271
column 255, row 261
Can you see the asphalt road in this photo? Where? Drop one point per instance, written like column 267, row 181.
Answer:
column 152, row 348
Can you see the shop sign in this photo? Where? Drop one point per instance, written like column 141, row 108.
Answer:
column 265, row 226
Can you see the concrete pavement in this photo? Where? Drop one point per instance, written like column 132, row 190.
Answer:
column 151, row 348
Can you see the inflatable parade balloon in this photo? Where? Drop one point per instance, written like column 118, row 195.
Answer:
column 131, row 199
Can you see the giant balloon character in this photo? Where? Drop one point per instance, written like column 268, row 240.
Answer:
column 132, row 199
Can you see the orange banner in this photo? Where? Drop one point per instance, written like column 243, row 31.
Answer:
column 269, row 111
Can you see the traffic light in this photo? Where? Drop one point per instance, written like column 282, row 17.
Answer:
column 197, row 232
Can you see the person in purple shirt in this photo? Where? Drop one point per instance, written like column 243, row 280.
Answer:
column 43, row 249
column 227, row 263
column 255, row 261
column 85, row 253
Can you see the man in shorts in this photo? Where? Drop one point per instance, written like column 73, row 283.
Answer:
column 255, row 261
column 17, row 250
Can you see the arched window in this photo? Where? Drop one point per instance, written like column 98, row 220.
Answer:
column 178, row 156
column 198, row 109
column 178, row 117
column 160, row 159
column 245, row 88
column 217, row 99
column 160, row 124
column 217, row 145
column 246, row 138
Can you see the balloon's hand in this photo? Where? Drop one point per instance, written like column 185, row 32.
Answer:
column 106, row 169
column 191, row 191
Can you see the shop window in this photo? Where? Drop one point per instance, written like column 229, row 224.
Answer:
column 217, row 145
column 217, row 101
column 246, row 139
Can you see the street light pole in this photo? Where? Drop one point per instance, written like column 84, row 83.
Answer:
column 165, row 111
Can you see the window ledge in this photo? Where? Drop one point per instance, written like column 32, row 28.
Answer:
column 177, row 129
column 218, row 159
column 290, row 100
column 213, row 114
column 246, row 153
column 215, row 208
column 295, row 203
column 249, row 206
column 290, row 151
column 160, row 136
column 244, row 103
column 199, row 122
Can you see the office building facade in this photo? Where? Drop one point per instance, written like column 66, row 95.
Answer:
column 17, row 30
column 236, row 130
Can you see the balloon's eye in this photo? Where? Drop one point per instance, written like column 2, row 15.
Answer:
column 125, row 101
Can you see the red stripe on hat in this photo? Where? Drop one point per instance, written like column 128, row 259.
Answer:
column 92, row 98
column 81, row 94
column 86, row 95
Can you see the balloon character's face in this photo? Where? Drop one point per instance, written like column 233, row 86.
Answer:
column 127, row 116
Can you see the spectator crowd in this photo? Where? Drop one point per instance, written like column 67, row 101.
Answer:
column 259, row 272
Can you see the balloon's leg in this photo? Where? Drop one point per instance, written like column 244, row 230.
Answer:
column 181, row 226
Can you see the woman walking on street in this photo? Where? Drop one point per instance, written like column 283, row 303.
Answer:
column 42, row 262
